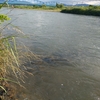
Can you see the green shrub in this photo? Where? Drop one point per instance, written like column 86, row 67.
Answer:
column 90, row 10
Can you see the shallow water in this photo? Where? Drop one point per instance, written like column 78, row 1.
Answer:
column 70, row 49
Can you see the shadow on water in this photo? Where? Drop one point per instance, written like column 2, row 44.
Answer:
column 57, row 78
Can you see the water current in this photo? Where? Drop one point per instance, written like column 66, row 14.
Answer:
column 69, row 45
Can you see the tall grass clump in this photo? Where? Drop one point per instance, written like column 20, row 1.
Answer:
column 9, row 60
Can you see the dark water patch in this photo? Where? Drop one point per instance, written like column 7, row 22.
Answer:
column 53, row 80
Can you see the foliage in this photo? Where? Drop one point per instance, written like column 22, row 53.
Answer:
column 36, row 6
column 43, row 6
column 3, row 18
column 59, row 5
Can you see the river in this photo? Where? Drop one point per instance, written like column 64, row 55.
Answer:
column 70, row 47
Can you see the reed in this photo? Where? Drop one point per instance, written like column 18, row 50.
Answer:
column 10, row 63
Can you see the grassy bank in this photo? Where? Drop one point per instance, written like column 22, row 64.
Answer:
column 58, row 7
column 11, row 69
column 14, row 56
column 9, row 62
column 88, row 10
column 43, row 7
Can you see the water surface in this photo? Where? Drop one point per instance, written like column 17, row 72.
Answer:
column 69, row 45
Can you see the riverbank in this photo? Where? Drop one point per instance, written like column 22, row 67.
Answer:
column 11, row 71
column 80, row 10
column 88, row 10
column 43, row 7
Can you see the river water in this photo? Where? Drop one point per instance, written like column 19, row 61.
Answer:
column 70, row 47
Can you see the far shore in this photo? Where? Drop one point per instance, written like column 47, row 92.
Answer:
column 80, row 10
column 88, row 10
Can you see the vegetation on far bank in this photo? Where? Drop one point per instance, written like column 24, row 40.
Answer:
column 58, row 7
column 83, row 10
